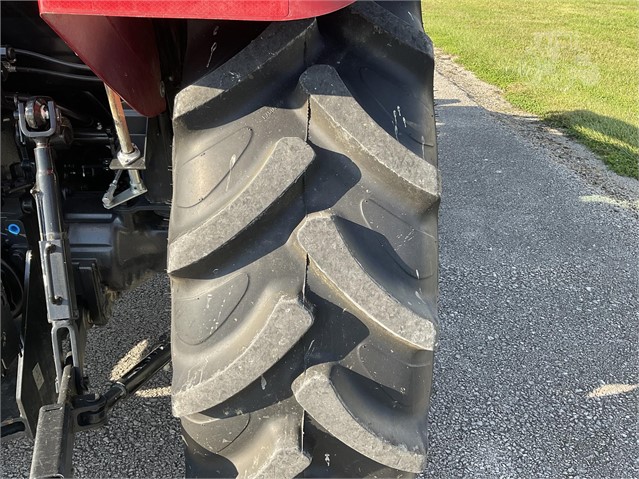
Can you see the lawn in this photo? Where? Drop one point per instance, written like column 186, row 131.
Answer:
column 574, row 63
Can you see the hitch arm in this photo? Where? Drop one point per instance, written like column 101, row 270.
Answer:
column 58, row 423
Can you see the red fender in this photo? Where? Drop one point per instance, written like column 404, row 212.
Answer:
column 95, row 29
column 264, row 10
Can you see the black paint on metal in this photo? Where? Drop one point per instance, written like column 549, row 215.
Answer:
column 73, row 413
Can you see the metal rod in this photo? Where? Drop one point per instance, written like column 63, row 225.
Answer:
column 121, row 128
column 55, row 256
column 47, row 193
column 148, row 366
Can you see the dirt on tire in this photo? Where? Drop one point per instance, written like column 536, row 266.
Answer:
column 303, row 251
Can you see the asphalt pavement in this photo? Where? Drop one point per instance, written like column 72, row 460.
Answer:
column 537, row 369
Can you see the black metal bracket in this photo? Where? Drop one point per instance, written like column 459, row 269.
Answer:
column 34, row 374
column 58, row 423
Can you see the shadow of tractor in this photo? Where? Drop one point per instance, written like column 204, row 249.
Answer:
column 615, row 141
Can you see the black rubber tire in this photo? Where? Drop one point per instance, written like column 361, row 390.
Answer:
column 303, row 251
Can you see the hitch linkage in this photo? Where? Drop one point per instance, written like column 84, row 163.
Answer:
column 58, row 423
column 40, row 120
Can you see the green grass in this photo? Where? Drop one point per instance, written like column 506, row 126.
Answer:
column 574, row 63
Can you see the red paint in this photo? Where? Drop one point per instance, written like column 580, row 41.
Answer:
column 116, row 38
column 121, row 51
column 268, row 10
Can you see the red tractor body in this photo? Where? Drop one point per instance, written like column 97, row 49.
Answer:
column 262, row 10
column 116, row 38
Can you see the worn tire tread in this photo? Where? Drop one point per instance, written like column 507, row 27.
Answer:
column 304, row 280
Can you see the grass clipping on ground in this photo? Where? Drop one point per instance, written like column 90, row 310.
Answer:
column 574, row 63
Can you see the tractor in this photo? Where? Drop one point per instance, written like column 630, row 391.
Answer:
column 277, row 159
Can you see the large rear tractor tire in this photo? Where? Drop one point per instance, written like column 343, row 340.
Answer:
column 303, row 251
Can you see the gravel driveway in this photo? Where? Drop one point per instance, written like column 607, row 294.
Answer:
column 537, row 368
